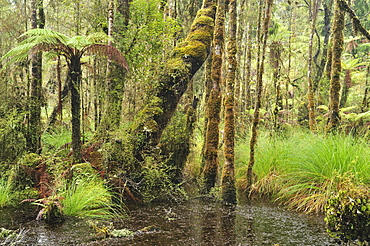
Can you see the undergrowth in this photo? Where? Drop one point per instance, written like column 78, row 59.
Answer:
column 302, row 170
column 87, row 198
column 6, row 195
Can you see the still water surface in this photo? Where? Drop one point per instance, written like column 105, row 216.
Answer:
column 194, row 222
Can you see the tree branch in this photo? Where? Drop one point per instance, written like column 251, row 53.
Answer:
column 356, row 21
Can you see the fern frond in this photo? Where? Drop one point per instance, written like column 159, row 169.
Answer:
column 17, row 54
column 46, row 36
column 78, row 42
column 98, row 37
column 108, row 51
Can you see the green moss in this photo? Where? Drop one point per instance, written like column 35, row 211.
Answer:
column 200, row 35
column 31, row 160
column 206, row 12
column 194, row 49
column 176, row 64
column 203, row 21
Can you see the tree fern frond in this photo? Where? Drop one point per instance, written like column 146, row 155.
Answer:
column 51, row 47
column 108, row 51
column 18, row 50
column 98, row 37
column 78, row 42
column 46, row 35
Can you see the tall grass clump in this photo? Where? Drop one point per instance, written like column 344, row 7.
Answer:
column 6, row 194
column 302, row 170
column 316, row 170
column 87, row 197
column 271, row 160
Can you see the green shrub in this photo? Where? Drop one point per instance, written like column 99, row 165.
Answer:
column 348, row 215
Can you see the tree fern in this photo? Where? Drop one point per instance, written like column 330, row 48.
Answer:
column 72, row 49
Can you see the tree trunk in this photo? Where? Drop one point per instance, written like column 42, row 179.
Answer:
column 111, row 117
column 347, row 82
column 188, row 57
column 33, row 139
column 214, row 104
column 310, row 95
column 75, row 80
column 275, row 55
column 228, row 189
column 262, row 40
column 336, row 67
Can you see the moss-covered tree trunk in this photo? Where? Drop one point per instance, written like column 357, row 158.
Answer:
column 111, row 117
column 228, row 189
column 336, row 67
column 188, row 57
column 262, row 39
column 310, row 95
column 33, row 139
column 214, row 104
column 275, row 56
column 75, row 74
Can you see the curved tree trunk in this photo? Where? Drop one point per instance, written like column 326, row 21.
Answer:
column 228, row 189
column 188, row 57
column 214, row 104
column 336, row 67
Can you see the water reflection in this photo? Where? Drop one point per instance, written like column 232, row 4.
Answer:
column 196, row 222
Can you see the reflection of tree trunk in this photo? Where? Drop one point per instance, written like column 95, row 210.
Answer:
column 262, row 40
column 228, row 189
column 337, row 48
column 214, row 104
column 228, row 224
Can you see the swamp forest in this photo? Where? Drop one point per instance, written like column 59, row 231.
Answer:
column 184, row 122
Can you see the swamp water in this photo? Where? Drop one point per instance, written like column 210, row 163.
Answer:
column 194, row 222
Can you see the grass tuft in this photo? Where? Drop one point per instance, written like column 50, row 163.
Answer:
column 6, row 194
column 87, row 198
column 302, row 170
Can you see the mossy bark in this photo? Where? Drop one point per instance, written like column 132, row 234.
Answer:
column 75, row 74
column 228, row 189
column 188, row 57
column 260, row 63
column 310, row 95
column 336, row 68
column 214, row 104
column 111, row 117
column 33, row 138
column 275, row 57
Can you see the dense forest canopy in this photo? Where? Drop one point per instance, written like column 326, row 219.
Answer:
column 152, row 94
